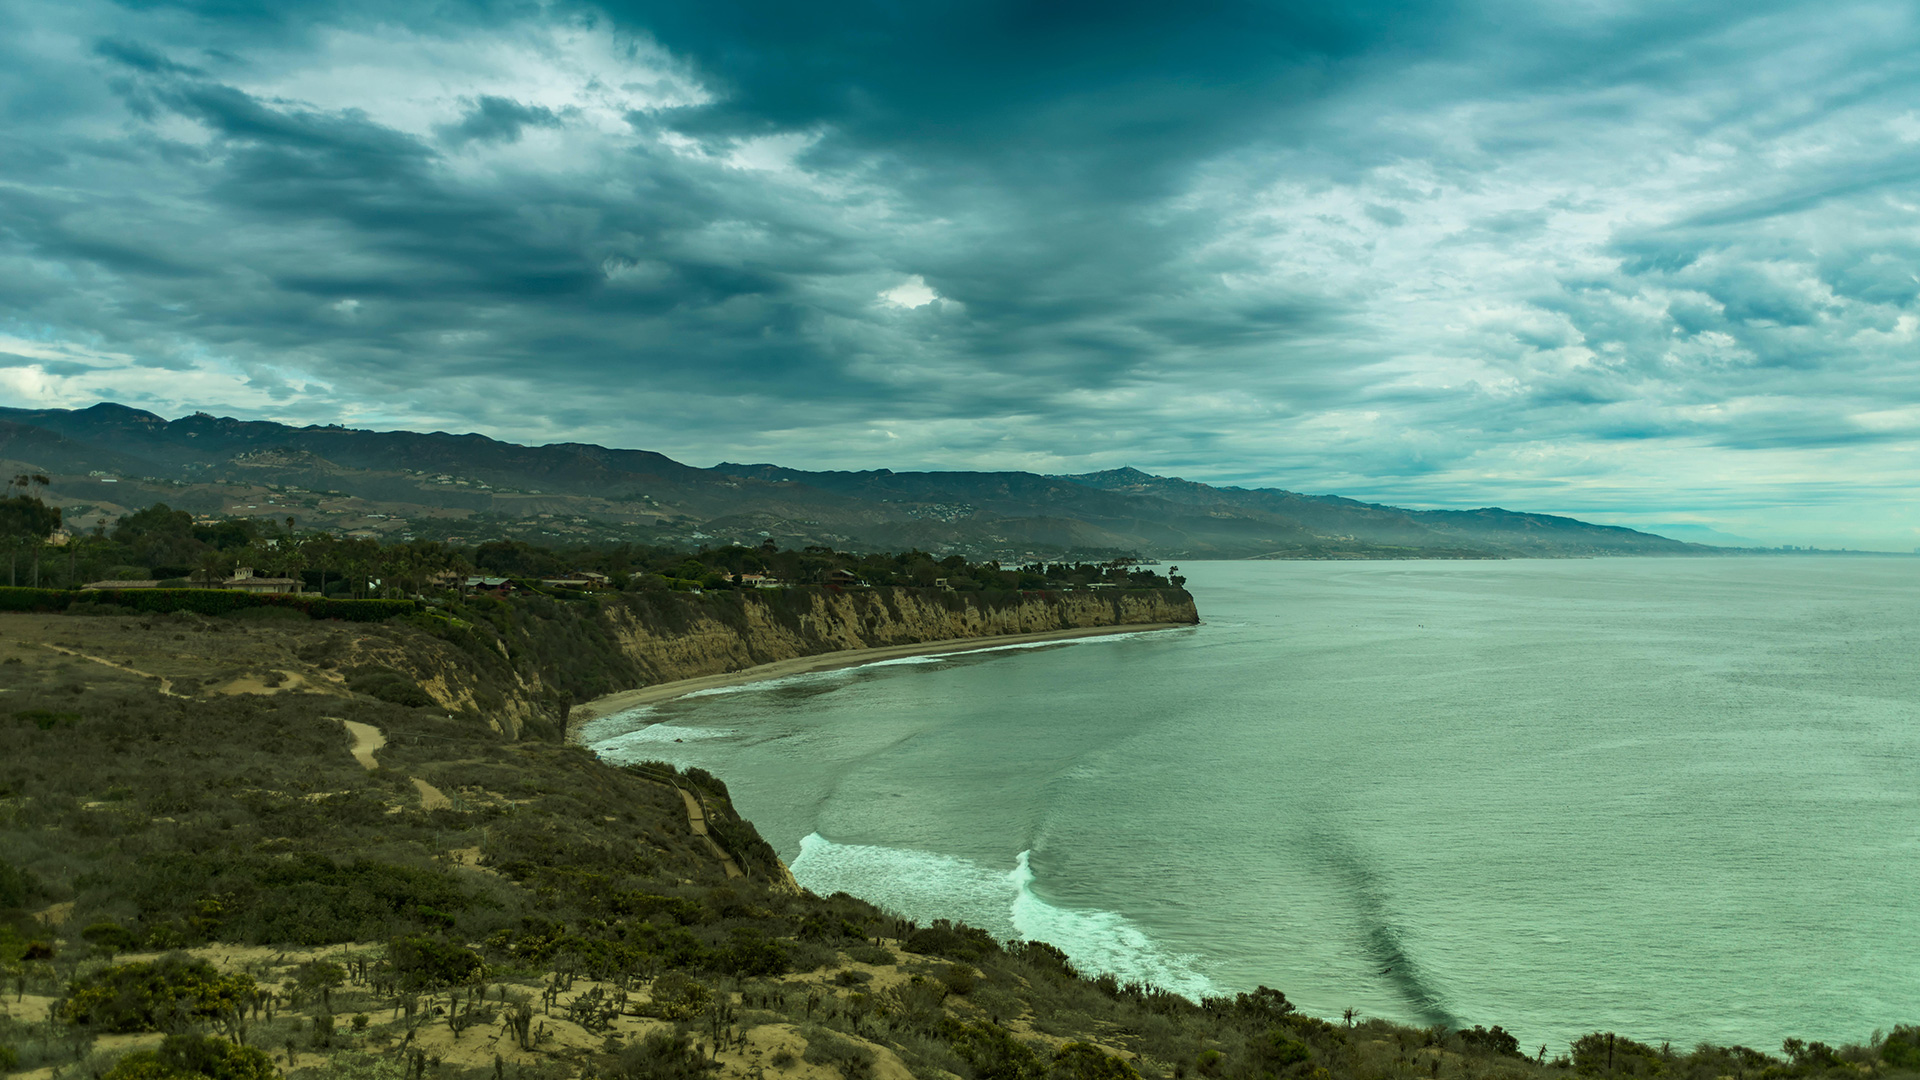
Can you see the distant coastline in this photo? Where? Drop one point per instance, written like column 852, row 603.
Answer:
column 619, row 701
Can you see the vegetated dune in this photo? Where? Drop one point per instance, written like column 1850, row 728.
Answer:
column 545, row 916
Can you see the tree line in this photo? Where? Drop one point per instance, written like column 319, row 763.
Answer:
column 171, row 546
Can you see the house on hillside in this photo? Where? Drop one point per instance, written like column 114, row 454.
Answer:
column 846, row 579
column 497, row 585
column 245, row 580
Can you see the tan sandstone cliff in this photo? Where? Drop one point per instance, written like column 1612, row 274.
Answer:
column 767, row 628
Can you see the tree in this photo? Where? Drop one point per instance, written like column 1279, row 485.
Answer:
column 25, row 520
column 190, row 1057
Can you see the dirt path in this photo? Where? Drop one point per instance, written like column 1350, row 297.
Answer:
column 431, row 798
column 166, row 684
column 366, row 739
column 697, row 821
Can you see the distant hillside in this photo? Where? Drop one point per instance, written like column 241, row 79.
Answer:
column 108, row 459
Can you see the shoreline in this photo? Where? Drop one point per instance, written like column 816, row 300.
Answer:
column 621, row 700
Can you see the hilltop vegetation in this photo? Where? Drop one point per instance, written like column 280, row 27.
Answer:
column 159, row 543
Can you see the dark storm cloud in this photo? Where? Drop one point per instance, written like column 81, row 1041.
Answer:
column 1575, row 258
column 498, row 119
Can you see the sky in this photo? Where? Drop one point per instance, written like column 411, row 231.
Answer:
column 1652, row 264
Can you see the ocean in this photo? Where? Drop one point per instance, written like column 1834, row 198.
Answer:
column 1678, row 799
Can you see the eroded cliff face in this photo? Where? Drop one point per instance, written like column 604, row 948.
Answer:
column 763, row 627
column 519, row 666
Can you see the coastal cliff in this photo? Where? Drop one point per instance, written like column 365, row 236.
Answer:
column 521, row 664
column 764, row 627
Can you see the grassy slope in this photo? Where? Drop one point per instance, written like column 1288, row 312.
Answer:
column 234, row 823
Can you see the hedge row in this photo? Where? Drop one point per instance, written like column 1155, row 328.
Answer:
column 204, row 602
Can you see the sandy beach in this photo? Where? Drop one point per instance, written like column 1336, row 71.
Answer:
column 802, row 665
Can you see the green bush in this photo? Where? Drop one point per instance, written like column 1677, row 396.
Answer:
column 1085, row 1061
column 389, row 686
column 163, row 995
column 1277, row 1050
column 1902, row 1048
column 427, row 963
column 956, row 941
column 1496, row 1041
column 17, row 887
column 677, row 997
column 855, row 1062
column 1607, row 1052
column 110, row 936
column 661, row 1056
column 751, row 953
column 193, row 1056
column 991, row 1050
column 303, row 898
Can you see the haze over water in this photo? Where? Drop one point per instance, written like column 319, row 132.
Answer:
column 1674, row 798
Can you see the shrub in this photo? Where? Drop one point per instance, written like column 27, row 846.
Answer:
column 1264, row 1007
column 676, row 997
column 751, row 953
column 1606, row 1052
column 427, row 963
column 389, row 686
column 109, row 936
column 1902, row 1048
column 1045, row 957
column 957, row 941
column 1495, row 1041
column 991, row 1050
column 193, row 1056
column 17, row 887
column 959, row 979
column 1277, row 1050
column 660, row 1056
column 855, row 1062
column 1085, row 1061
column 160, row 996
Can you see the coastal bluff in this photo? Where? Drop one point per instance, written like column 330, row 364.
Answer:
column 768, row 626
column 521, row 665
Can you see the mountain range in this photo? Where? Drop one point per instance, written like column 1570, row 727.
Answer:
column 109, row 458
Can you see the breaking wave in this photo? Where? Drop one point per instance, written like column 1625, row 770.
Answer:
column 923, row 886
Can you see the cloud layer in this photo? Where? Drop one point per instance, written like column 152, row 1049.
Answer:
column 1627, row 261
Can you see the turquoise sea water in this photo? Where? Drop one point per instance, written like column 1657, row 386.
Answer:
column 1674, row 798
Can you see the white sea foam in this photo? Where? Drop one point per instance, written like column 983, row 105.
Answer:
column 770, row 684
column 1092, row 639
column 923, row 885
column 661, row 733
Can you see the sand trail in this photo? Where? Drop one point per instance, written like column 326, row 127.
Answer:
column 366, row 740
column 697, row 821
column 431, row 798
column 166, row 684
